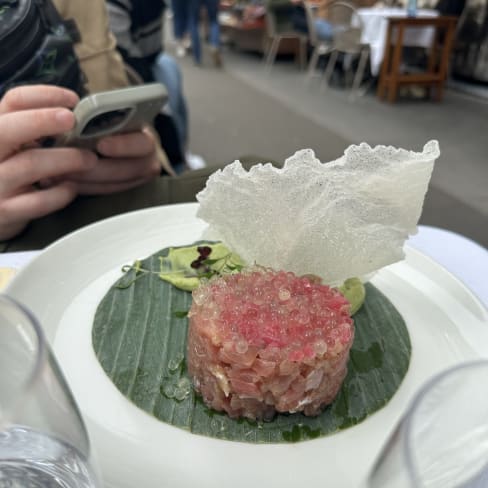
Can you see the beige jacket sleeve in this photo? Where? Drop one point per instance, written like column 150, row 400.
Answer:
column 100, row 61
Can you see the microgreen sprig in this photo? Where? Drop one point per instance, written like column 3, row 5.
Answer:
column 202, row 264
column 184, row 270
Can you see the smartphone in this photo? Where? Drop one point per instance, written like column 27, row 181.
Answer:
column 114, row 112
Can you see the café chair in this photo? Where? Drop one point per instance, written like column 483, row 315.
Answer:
column 347, row 40
column 460, row 48
column 278, row 30
column 320, row 47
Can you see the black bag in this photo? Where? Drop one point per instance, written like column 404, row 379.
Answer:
column 36, row 46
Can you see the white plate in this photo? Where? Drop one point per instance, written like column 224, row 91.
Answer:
column 65, row 283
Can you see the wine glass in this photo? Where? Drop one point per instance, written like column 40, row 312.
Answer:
column 43, row 440
column 442, row 440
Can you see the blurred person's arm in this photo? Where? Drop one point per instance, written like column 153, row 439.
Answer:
column 323, row 11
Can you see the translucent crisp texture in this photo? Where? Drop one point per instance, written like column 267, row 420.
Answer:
column 263, row 341
column 340, row 219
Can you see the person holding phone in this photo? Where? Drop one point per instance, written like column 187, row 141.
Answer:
column 36, row 181
column 47, row 192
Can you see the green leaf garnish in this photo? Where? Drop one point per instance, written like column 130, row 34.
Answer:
column 181, row 314
column 355, row 293
column 176, row 267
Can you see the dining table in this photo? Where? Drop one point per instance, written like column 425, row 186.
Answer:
column 374, row 22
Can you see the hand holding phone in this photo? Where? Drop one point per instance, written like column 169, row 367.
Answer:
column 114, row 112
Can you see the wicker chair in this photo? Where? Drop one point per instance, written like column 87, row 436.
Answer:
column 320, row 47
column 347, row 40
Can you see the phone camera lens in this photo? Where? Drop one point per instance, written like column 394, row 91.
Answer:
column 103, row 122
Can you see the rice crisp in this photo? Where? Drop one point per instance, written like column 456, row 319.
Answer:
column 345, row 218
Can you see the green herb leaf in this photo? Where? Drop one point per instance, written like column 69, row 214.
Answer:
column 354, row 292
column 176, row 265
column 181, row 314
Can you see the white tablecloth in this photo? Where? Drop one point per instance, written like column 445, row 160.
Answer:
column 375, row 26
column 464, row 258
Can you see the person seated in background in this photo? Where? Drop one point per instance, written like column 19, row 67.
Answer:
column 323, row 28
column 212, row 9
column 138, row 32
column 288, row 13
column 293, row 12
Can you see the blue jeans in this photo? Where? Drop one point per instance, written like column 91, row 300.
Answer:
column 166, row 71
column 212, row 7
column 324, row 30
column 180, row 18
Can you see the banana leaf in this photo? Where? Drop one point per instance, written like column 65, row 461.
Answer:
column 139, row 336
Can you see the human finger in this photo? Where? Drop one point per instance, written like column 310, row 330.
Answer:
column 19, row 128
column 109, row 170
column 33, row 165
column 23, row 129
column 17, row 211
column 30, row 97
column 133, row 144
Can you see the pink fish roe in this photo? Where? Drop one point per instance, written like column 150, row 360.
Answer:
column 264, row 341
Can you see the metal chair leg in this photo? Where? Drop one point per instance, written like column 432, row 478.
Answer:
column 267, row 47
column 358, row 77
column 303, row 54
column 273, row 50
column 312, row 64
column 269, row 52
column 329, row 69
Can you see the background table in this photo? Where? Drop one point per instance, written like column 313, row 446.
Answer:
column 433, row 76
column 375, row 27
